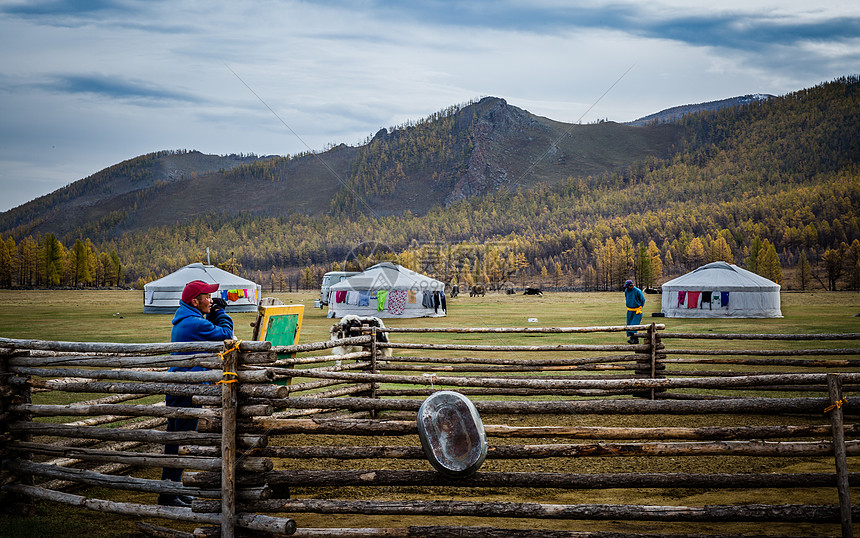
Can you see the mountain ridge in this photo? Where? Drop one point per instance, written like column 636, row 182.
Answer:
column 492, row 144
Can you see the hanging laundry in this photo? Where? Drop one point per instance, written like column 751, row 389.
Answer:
column 232, row 295
column 352, row 297
column 693, row 299
column 427, row 300
column 397, row 301
column 381, row 299
column 682, row 297
column 363, row 298
column 724, row 298
column 413, row 297
column 340, row 296
column 224, row 294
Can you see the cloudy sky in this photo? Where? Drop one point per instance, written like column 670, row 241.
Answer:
column 89, row 83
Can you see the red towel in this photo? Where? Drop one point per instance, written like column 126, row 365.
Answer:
column 693, row 299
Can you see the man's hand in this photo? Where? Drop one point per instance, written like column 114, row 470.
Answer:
column 218, row 304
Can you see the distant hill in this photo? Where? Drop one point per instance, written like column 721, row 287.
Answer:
column 462, row 152
column 674, row 114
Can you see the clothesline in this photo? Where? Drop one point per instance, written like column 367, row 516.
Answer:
column 703, row 299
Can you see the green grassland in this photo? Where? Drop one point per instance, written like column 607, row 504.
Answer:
column 117, row 316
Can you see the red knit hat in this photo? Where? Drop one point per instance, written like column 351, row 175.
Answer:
column 195, row 288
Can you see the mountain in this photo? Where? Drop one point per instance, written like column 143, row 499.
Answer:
column 455, row 154
column 674, row 114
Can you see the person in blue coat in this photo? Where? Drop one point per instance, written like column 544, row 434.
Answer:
column 198, row 318
column 635, row 300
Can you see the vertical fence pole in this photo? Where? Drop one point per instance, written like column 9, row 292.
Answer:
column 834, row 386
column 373, row 367
column 652, row 340
column 229, row 403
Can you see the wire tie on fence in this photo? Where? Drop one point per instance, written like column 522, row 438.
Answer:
column 226, row 381
column 837, row 405
column 234, row 348
column 432, row 379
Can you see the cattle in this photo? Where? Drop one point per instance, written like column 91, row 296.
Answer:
column 476, row 290
column 510, row 291
column 533, row 291
column 455, row 290
column 343, row 329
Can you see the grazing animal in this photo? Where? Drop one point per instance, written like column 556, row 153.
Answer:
column 476, row 290
column 343, row 329
column 510, row 291
column 533, row 291
column 455, row 290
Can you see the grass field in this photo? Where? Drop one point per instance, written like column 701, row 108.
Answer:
column 117, row 316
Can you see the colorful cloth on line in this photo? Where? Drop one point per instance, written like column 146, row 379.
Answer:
column 397, row 301
column 381, row 298
column 693, row 299
column 682, row 298
column 363, row 298
column 340, row 296
column 352, row 297
column 724, row 298
column 413, row 297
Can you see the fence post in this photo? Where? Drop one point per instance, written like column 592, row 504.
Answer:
column 229, row 403
column 14, row 390
column 834, row 386
column 373, row 366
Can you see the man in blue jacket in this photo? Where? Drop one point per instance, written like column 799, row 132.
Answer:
column 635, row 300
column 198, row 318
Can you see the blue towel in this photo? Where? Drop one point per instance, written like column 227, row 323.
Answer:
column 724, row 298
column 363, row 298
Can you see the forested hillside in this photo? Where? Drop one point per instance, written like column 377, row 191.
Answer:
column 772, row 185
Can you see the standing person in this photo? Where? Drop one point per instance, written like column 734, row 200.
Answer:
column 635, row 300
column 198, row 318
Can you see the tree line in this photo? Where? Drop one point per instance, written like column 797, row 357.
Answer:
column 43, row 261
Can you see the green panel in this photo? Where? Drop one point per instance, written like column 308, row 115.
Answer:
column 281, row 330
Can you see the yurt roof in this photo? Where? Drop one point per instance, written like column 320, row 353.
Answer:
column 389, row 276
column 721, row 276
column 198, row 271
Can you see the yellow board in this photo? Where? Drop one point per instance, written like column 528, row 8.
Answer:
column 280, row 325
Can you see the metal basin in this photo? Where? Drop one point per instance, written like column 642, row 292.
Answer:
column 452, row 434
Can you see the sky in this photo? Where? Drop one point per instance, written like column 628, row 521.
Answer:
column 87, row 84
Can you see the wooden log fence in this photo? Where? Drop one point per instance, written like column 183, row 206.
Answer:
column 255, row 447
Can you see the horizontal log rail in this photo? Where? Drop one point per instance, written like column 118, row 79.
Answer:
column 643, row 348
column 629, row 384
column 139, row 459
column 569, row 481
column 124, row 434
column 764, row 352
column 755, row 512
column 245, row 376
column 768, row 449
column 349, row 426
column 519, row 361
column 747, row 336
column 256, row 522
column 131, row 483
column 737, row 405
column 177, row 389
column 524, row 330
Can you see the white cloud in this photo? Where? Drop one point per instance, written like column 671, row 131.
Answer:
column 113, row 80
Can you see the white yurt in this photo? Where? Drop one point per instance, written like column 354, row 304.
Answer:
column 162, row 296
column 387, row 290
column 721, row 290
